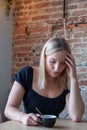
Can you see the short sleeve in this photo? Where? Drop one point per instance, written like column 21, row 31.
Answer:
column 66, row 92
column 24, row 77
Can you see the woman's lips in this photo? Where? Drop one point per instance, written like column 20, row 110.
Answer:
column 56, row 73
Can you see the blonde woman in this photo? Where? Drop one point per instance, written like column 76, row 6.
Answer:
column 48, row 87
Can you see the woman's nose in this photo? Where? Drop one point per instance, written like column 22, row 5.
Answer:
column 57, row 67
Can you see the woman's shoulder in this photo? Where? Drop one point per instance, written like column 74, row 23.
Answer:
column 66, row 91
column 29, row 71
column 25, row 73
column 32, row 68
column 25, row 68
column 24, row 76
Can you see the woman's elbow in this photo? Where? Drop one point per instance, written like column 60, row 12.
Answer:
column 77, row 116
column 76, row 119
column 5, row 112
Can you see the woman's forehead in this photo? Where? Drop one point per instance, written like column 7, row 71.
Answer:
column 59, row 55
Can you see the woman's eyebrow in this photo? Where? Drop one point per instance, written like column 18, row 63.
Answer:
column 63, row 60
column 52, row 58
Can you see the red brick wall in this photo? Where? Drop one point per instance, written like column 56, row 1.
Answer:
column 35, row 21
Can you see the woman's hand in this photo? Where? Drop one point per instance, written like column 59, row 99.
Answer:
column 70, row 66
column 31, row 119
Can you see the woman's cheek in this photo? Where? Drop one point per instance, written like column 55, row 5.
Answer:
column 64, row 67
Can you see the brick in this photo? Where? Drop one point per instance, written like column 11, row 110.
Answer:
column 41, row 5
column 83, row 5
column 57, row 3
column 56, row 15
column 80, row 34
column 72, row 7
column 44, row 17
column 76, row 1
column 79, row 13
column 83, row 82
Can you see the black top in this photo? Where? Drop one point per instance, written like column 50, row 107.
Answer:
column 32, row 99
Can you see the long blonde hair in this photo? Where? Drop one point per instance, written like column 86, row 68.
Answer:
column 51, row 46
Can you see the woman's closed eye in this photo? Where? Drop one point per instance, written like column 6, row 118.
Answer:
column 52, row 61
column 63, row 63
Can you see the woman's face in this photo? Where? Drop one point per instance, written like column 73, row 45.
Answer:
column 55, row 63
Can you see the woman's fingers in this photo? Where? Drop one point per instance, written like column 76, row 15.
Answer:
column 70, row 61
column 33, row 119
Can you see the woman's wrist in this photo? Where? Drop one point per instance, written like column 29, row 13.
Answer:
column 22, row 117
column 74, row 82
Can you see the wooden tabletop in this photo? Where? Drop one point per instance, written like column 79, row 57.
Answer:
column 61, row 124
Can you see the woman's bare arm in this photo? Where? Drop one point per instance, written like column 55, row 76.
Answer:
column 74, row 100
column 12, row 107
column 14, row 100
